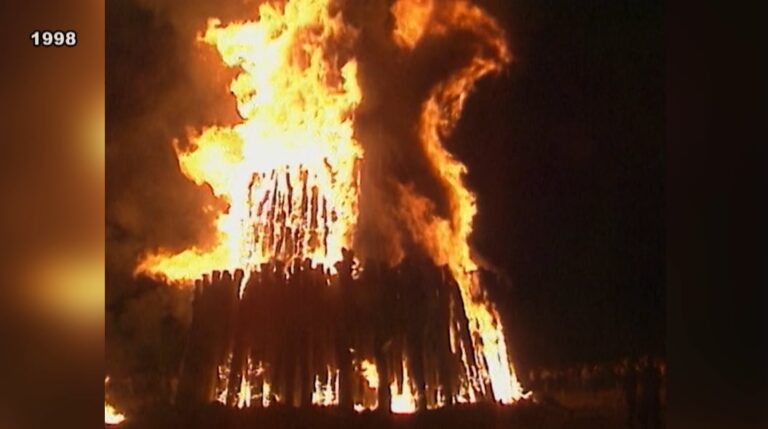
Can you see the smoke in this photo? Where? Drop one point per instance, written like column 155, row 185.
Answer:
column 161, row 83
column 145, row 342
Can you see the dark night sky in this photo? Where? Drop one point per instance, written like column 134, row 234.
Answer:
column 564, row 149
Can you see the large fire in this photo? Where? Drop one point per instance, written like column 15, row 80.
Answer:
column 289, row 170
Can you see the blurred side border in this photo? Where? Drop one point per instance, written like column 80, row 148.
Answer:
column 52, row 217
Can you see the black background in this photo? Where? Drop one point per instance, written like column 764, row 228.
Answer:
column 566, row 153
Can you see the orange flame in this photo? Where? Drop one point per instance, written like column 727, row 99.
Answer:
column 411, row 19
column 447, row 239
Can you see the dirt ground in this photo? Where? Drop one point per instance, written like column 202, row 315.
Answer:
column 557, row 410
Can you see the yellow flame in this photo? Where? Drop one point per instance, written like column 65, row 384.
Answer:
column 222, row 375
column 111, row 415
column 403, row 400
column 244, row 396
column 370, row 373
column 326, row 394
column 289, row 169
column 266, row 394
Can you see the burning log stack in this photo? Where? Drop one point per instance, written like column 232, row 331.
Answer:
column 302, row 334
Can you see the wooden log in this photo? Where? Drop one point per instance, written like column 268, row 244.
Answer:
column 293, row 325
column 239, row 343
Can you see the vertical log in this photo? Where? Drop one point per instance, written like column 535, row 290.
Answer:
column 190, row 378
column 239, row 365
column 448, row 360
column 345, row 331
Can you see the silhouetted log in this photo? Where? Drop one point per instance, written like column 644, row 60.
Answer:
column 240, row 342
column 461, row 323
column 447, row 360
column 306, row 294
column 345, row 330
column 294, row 326
column 190, row 378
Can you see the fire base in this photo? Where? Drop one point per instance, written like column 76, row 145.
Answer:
column 300, row 335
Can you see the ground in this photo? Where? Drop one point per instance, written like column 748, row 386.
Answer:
column 560, row 410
